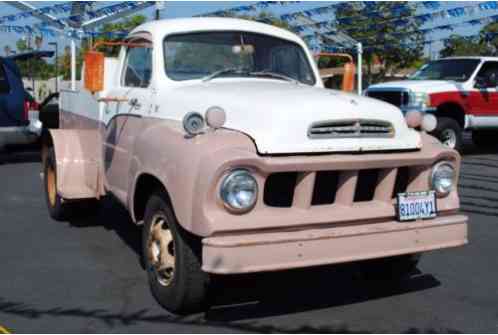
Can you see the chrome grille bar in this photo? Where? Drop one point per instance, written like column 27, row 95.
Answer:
column 351, row 129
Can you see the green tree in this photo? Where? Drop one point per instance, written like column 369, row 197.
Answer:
column 22, row 45
column 125, row 25
column 268, row 18
column 391, row 45
column 35, row 68
column 457, row 45
column 489, row 38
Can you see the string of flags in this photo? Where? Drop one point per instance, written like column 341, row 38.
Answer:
column 399, row 15
column 248, row 8
column 357, row 5
column 396, row 20
column 487, row 36
column 443, row 27
column 46, row 31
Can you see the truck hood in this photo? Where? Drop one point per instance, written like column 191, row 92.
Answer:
column 426, row 86
column 278, row 115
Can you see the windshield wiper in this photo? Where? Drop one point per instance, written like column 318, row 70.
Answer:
column 274, row 75
column 230, row 70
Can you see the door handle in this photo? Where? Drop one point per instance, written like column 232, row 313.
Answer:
column 134, row 103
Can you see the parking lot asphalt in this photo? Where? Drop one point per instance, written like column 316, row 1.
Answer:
column 85, row 276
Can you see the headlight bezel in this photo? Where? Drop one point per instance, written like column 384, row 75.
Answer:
column 418, row 99
column 432, row 176
column 223, row 192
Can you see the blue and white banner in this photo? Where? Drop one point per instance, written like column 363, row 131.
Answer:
column 54, row 9
column 457, row 12
column 241, row 10
column 25, row 30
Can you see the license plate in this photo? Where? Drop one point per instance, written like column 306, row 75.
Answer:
column 416, row 206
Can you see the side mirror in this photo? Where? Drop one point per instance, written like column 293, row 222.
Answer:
column 492, row 80
column 348, row 78
column 94, row 71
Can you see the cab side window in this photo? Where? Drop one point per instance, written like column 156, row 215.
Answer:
column 488, row 74
column 138, row 65
column 4, row 82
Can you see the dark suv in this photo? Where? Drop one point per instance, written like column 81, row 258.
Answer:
column 18, row 125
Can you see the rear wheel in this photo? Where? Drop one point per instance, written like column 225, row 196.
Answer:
column 58, row 208
column 449, row 132
column 172, row 258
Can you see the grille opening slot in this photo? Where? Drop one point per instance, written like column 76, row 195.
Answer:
column 396, row 98
column 402, row 181
column 366, row 186
column 325, row 188
column 279, row 189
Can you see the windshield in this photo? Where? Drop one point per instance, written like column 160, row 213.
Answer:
column 447, row 69
column 235, row 54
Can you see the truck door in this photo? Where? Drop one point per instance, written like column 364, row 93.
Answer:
column 484, row 99
column 124, row 120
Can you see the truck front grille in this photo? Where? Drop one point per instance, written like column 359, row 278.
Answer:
column 349, row 187
column 396, row 98
column 351, row 129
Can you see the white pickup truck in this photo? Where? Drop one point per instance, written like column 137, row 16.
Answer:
column 218, row 137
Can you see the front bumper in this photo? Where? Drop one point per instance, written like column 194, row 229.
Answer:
column 18, row 135
column 270, row 251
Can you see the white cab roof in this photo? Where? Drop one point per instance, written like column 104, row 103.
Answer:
column 161, row 28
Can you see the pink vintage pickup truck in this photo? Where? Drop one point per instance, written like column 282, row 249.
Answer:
column 219, row 138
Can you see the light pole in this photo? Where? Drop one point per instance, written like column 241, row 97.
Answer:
column 159, row 7
column 56, row 46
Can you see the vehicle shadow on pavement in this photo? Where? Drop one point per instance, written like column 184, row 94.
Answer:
column 112, row 216
column 19, row 157
column 243, row 297
column 144, row 317
column 295, row 297
column 470, row 149
column 264, row 295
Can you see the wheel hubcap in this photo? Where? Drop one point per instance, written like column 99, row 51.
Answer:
column 161, row 251
column 51, row 185
column 449, row 138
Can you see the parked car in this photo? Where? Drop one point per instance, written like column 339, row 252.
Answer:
column 219, row 138
column 19, row 118
column 460, row 91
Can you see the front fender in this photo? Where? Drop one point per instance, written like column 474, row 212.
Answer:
column 163, row 151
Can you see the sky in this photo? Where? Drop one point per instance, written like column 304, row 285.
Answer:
column 174, row 9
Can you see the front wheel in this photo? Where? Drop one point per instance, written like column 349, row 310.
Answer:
column 449, row 132
column 171, row 257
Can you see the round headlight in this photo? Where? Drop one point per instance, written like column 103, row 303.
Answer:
column 239, row 191
column 193, row 123
column 443, row 178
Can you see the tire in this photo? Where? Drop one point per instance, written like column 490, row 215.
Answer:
column 393, row 268
column 485, row 138
column 449, row 132
column 58, row 208
column 172, row 260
